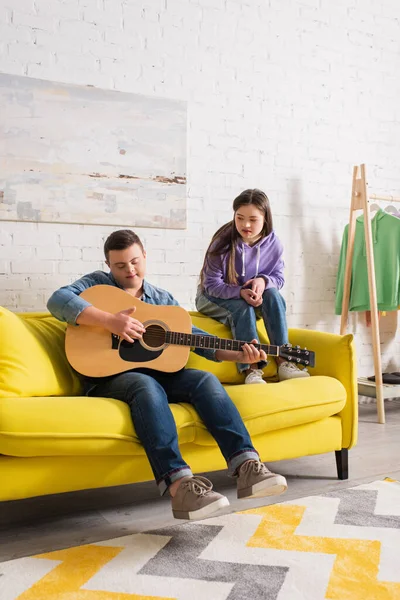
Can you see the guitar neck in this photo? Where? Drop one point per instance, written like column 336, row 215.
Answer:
column 214, row 343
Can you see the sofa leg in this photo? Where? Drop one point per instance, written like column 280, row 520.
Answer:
column 342, row 463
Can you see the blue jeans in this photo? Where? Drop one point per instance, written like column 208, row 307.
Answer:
column 148, row 394
column 241, row 318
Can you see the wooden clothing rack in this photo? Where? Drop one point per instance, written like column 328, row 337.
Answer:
column 360, row 201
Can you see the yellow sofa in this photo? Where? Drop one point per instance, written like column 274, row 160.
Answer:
column 54, row 440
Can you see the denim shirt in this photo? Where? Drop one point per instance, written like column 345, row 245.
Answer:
column 66, row 304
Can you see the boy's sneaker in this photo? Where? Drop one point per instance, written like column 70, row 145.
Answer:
column 195, row 499
column 289, row 370
column 255, row 480
column 255, row 376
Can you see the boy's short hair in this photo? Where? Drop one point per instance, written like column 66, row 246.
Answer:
column 121, row 239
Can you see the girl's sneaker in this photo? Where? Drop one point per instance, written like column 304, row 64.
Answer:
column 289, row 370
column 255, row 376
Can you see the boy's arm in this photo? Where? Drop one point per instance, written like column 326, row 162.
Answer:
column 67, row 305
column 208, row 353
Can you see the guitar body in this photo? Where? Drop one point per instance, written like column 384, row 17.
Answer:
column 95, row 352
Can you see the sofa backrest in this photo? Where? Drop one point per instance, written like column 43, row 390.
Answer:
column 33, row 360
column 32, row 356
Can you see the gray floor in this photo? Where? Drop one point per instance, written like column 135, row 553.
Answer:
column 50, row 523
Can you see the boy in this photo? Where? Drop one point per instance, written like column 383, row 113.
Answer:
column 149, row 392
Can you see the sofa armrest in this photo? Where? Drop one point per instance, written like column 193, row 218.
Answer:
column 335, row 356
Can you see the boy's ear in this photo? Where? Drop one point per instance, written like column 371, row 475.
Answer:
column 107, row 263
column 144, row 253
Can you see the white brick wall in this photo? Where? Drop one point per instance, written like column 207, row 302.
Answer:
column 285, row 96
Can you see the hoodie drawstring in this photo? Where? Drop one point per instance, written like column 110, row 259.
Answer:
column 258, row 261
column 244, row 261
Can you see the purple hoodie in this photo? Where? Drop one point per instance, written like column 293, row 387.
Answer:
column 264, row 259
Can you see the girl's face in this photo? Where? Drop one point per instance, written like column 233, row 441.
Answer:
column 249, row 221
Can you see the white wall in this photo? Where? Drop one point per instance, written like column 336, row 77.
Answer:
column 283, row 95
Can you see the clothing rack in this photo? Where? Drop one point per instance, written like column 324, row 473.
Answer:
column 360, row 201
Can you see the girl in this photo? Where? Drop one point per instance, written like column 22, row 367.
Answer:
column 241, row 275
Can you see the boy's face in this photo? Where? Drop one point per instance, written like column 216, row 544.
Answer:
column 128, row 266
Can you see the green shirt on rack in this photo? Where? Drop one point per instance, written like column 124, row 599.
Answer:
column 386, row 245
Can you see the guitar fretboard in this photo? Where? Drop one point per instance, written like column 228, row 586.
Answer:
column 214, row 343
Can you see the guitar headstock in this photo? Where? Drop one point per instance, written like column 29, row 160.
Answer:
column 297, row 355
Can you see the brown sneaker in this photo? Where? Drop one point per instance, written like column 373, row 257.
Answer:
column 195, row 499
column 255, row 480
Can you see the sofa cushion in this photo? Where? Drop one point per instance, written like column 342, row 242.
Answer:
column 80, row 425
column 281, row 405
column 225, row 371
column 87, row 426
column 32, row 356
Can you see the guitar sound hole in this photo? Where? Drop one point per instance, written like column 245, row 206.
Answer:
column 154, row 336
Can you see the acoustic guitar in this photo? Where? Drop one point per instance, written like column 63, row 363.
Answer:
column 95, row 352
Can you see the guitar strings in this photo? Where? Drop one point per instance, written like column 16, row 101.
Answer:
column 160, row 336
column 154, row 336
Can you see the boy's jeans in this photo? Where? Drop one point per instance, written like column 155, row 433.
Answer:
column 148, row 394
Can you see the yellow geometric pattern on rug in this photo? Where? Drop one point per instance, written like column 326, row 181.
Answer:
column 355, row 571
column 77, row 567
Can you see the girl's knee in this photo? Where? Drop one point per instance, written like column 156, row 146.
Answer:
column 243, row 308
column 271, row 293
column 272, row 298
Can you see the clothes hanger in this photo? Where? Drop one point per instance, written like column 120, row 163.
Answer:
column 391, row 210
column 373, row 208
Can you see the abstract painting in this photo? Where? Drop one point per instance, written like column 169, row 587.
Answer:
column 78, row 154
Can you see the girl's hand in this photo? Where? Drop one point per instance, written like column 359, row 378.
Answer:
column 250, row 297
column 250, row 355
column 257, row 285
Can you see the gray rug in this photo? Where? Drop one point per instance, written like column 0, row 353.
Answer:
column 340, row 545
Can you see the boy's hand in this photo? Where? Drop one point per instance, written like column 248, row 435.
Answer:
column 125, row 326
column 250, row 355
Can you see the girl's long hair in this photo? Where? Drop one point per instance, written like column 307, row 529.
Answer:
column 225, row 239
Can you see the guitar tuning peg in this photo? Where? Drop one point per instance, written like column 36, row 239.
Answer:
column 297, row 360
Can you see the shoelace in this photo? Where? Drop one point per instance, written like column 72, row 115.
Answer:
column 254, row 465
column 292, row 366
column 257, row 371
column 199, row 485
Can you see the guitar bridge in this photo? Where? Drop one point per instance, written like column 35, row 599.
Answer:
column 114, row 341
